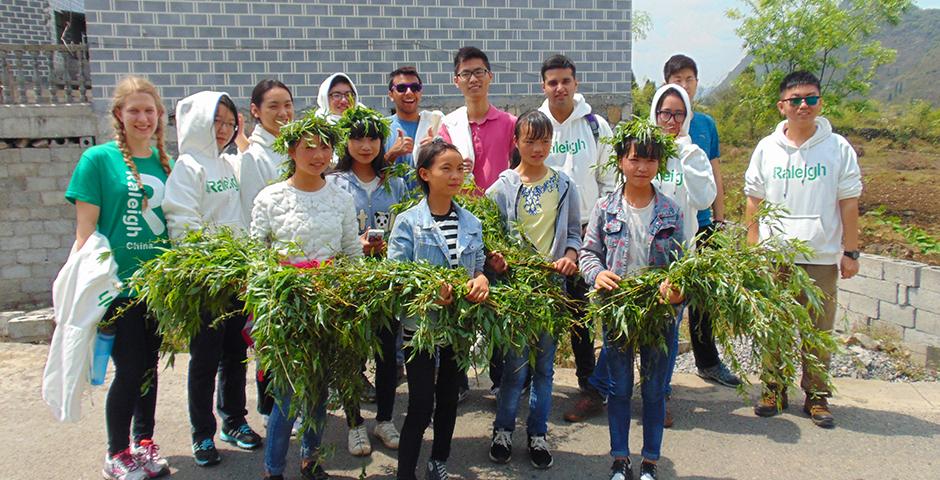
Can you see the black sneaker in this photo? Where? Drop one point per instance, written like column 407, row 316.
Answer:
column 205, row 454
column 647, row 471
column 437, row 470
column 272, row 477
column 462, row 394
column 368, row 390
column 539, row 455
column 621, row 470
column 501, row 447
column 242, row 436
column 312, row 470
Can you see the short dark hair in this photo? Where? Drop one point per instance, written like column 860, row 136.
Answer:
column 361, row 130
column 406, row 70
column 339, row 80
column 469, row 53
column 539, row 127
column 676, row 63
column 797, row 78
column 426, row 157
column 558, row 61
column 643, row 149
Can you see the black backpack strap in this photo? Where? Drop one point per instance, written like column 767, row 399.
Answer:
column 595, row 126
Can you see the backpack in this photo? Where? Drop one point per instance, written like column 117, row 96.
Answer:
column 595, row 126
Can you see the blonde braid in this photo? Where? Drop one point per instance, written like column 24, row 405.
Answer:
column 161, row 147
column 119, row 137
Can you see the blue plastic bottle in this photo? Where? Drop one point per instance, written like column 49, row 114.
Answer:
column 104, row 342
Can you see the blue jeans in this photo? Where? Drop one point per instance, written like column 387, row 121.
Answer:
column 600, row 378
column 278, row 434
column 515, row 371
column 673, row 352
column 654, row 364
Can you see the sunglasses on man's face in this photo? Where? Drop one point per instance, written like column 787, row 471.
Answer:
column 403, row 87
column 811, row 100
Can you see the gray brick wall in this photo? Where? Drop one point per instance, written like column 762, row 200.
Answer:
column 187, row 46
column 25, row 22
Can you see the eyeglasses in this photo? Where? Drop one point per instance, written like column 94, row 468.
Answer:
column 477, row 73
column 403, row 87
column 811, row 100
column 219, row 123
column 341, row 95
column 666, row 115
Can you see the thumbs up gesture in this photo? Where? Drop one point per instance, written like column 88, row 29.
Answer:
column 403, row 146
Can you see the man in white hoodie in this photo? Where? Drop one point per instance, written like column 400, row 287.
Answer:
column 813, row 173
column 577, row 152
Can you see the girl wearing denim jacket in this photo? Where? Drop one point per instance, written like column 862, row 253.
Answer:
column 361, row 171
column 634, row 228
column 439, row 232
column 543, row 203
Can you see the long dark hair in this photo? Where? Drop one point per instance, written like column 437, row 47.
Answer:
column 539, row 127
column 427, row 156
column 263, row 87
column 358, row 131
column 226, row 101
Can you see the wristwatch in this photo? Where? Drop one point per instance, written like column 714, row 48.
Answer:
column 853, row 254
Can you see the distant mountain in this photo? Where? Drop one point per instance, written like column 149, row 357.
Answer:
column 916, row 69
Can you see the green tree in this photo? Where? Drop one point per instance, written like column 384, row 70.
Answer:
column 831, row 38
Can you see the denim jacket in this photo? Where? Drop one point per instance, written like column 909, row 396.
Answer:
column 372, row 210
column 415, row 237
column 505, row 192
column 606, row 242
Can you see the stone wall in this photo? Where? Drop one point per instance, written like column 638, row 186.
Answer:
column 37, row 225
column 897, row 295
column 188, row 46
column 25, row 22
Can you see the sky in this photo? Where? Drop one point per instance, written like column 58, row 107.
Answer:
column 714, row 47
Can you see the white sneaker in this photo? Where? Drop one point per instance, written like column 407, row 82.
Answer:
column 387, row 433
column 123, row 466
column 296, row 427
column 264, row 421
column 358, row 439
column 148, row 457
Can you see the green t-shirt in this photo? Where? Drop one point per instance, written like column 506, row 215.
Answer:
column 102, row 178
column 536, row 210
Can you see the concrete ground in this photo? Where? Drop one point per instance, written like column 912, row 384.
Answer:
column 884, row 431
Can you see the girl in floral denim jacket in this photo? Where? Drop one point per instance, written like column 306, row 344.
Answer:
column 631, row 229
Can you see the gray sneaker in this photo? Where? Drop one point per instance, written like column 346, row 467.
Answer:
column 437, row 470
column 720, row 373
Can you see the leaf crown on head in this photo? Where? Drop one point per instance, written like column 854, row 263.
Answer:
column 310, row 125
column 360, row 118
column 640, row 131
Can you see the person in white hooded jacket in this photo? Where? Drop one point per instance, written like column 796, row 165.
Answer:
column 203, row 192
column 813, row 173
column 336, row 94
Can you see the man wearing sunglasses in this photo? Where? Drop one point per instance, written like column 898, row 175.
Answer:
column 404, row 88
column 482, row 132
column 813, row 174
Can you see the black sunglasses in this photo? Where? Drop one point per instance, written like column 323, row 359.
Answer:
column 811, row 100
column 403, row 87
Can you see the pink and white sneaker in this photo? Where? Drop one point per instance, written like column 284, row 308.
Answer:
column 123, row 466
column 148, row 456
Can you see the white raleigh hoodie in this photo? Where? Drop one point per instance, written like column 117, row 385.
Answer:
column 260, row 166
column 689, row 179
column 579, row 156
column 808, row 181
column 203, row 188
column 323, row 97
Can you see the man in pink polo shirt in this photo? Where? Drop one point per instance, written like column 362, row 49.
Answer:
column 482, row 132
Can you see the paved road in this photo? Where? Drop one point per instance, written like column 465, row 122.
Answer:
column 885, row 431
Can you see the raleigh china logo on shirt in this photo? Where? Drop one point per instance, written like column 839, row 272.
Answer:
column 217, row 186
column 808, row 172
column 569, row 146
column 135, row 211
column 671, row 176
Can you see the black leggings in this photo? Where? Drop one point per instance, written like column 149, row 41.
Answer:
column 423, row 392
column 386, row 378
column 700, row 323
column 135, row 354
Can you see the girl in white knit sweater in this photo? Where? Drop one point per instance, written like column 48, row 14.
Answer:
column 318, row 217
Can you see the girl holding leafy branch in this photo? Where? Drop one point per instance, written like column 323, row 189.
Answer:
column 308, row 213
column 362, row 172
column 117, row 189
column 203, row 192
column 540, row 204
column 630, row 230
column 439, row 232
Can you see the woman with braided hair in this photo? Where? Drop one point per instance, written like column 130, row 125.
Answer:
column 118, row 190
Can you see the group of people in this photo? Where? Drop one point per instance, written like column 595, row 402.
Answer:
column 321, row 183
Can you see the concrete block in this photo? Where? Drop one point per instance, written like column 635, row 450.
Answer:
column 902, row 315
column 880, row 289
column 902, row 295
column 858, row 303
column 15, row 272
column 44, row 241
column 891, row 328
column 5, row 318
column 904, row 272
column 847, row 320
column 930, row 278
column 924, row 300
column 910, row 336
column 31, row 327
column 927, row 322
